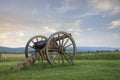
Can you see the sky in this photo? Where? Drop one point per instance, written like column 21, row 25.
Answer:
column 93, row 23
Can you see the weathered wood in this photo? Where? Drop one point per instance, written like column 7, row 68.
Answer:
column 26, row 62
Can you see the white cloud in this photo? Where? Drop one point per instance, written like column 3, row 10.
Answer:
column 101, row 5
column 75, row 27
column 110, row 6
column 21, row 34
column 3, row 36
column 9, row 27
column 76, row 33
column 12, row 39
column 13, row 42
column 89, row 29
column 49, row 29
column 69, row 5
column 64, row 7
column 89, row 14
column 114, row 25
column 44, row 18
column 116, row 10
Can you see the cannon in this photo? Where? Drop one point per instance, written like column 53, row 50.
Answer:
column 59, row 48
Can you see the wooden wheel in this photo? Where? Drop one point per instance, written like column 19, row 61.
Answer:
column 30, row 46
column 60, row 48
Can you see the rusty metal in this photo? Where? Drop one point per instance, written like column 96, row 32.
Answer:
column 59, row 48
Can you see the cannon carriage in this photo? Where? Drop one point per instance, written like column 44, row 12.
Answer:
column 59, row 48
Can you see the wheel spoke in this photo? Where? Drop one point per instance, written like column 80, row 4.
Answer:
column 58, row 58
column 62, row 41
column 59, row 39
column 41, row 39
column 66, row 42
column 66, row 58
column 43, row 52
column 37, row 39
column 55, row 56
column 30, row 53
column 68, row 45
column 41, row 55
column 30, row 46
column 69, row 55
column 55, row 44
column 32, row 41
column 62, row 59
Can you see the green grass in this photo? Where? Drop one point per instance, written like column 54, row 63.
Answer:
column 94, row 69
column 3, row 55
column 98, row 56
column 80, row 70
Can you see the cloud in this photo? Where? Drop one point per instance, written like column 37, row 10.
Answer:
column 49, row 29
column 35, row 17
column 13, row 39
column 20, row 33
column 111, row 7
column 114, row 25
column 64, row 6
column 75, row 27
column 101, row 5
column 3, row 36
column 9, row 27
column 89, row 14
column 89, row 29
column 12, row 42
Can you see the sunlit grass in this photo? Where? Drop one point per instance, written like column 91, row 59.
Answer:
column 12, row 55
column 80, row 70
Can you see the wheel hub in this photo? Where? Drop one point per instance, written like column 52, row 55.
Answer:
column 61, row 50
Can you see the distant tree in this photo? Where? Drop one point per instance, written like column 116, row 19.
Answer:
column 97, row 51
column 117, row 50
column 88, row 51
column 107, row 51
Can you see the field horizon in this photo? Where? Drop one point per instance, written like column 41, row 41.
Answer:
column 79, row 49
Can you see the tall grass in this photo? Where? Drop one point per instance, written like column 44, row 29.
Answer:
column 98, row 56
column 87, row 66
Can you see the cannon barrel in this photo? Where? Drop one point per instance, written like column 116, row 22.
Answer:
column 41, row 44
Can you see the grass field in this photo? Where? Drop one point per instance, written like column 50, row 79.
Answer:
column 80, row 70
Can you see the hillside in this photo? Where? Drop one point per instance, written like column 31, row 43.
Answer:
column 11, row 50
column 84, row 49
column 79, row 49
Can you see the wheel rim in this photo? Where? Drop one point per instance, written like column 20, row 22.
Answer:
column 62, row 50
column 29, row 49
